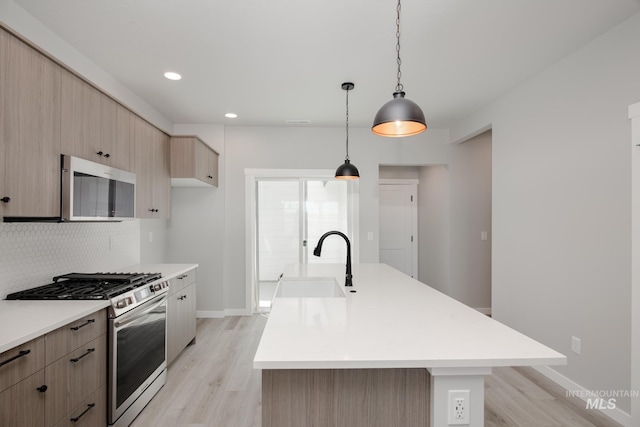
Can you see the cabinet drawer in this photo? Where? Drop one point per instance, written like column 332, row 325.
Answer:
column 23, row 404
column 20, row 362
column 74, row 377
column 69, row 337
column 90, row 413
column 181, row 281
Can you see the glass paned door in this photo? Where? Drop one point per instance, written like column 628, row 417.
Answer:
column 292, row 215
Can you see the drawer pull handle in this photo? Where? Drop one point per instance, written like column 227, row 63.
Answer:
column 182, row 276
column 76, row 419
column 17, row 356
column 42, row 388
column 88, row 322
column 89, row 351
column 182, row 297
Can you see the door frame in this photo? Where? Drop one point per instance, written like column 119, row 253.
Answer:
column 251, row 178
column 414, row 217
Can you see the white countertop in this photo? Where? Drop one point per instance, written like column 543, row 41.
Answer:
column 167, row 270
column 392, row 321
column 24, row 320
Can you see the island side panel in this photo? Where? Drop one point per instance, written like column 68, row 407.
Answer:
column 345, row 397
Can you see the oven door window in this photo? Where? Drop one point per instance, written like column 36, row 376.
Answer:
column 140, row 351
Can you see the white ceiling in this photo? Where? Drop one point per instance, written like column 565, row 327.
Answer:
column 278, row 60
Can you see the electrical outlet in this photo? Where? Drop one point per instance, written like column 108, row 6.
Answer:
column 576, row 345
column 458, row 407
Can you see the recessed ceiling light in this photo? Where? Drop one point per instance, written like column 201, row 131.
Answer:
column 231, row 115
column 172, row 76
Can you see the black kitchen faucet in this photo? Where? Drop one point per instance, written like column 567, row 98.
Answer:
column 318, row 249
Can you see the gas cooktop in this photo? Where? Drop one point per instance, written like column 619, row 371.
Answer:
column 87, row 286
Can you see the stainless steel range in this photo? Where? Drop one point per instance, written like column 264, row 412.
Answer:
column 137, row 332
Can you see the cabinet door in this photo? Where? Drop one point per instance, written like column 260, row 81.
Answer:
column 80, row 110
column 96, row 127
column 181, row 321
column 193, row 159
column 30, row 137
column 20, row 362
column 73, row 377
column 122, row 140
column 74, row 335
column 213, row 167
column 162, row 176
column 151, row 165
column 90, row 413
column 23, row 404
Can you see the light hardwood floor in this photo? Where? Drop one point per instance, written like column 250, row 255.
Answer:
column 213, row 384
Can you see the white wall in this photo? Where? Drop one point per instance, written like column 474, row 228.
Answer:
column 433, row 227
column 470, row 210
column 634, row 115
column 561, row 206
column 197, row 224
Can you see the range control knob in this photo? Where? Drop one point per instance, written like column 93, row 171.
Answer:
column 157, row 287
column 122, row 303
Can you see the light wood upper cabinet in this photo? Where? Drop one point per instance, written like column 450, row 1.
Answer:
column 191, row 160
column 46, row 111
column 92, row 120
column 150, row 153
column 29, row 131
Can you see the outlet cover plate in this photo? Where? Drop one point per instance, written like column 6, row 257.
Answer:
column 458, row 407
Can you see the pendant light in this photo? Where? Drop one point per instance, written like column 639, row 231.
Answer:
column 347, row 170
column 400, row 116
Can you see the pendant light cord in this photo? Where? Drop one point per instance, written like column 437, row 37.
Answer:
column 347, row 125
column 399, row 86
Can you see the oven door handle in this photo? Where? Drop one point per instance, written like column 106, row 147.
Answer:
column 120, row 323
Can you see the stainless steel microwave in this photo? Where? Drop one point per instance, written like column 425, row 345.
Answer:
column 96, row 192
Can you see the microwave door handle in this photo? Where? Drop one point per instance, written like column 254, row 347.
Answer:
column 128, row 319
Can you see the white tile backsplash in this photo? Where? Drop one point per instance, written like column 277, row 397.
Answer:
column 32, row 253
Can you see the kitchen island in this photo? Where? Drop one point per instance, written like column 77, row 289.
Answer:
column 387, row 352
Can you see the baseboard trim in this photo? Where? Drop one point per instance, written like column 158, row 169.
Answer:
column 616, row 414
column 219, row 314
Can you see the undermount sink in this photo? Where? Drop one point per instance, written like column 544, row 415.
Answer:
column 320, row 287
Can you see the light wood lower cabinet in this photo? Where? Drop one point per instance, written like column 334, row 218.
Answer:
column 90, row 413
column 181, row 314
column 58, row 379
column 73, row 377
column 22, row 397
column 22, row 404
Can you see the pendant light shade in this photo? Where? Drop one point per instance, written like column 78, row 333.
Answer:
column 400, row 116
column 347, row 170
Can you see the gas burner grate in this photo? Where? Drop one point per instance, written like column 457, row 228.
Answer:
column 87, row 286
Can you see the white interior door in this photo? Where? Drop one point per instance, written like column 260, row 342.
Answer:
column 399, row 227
